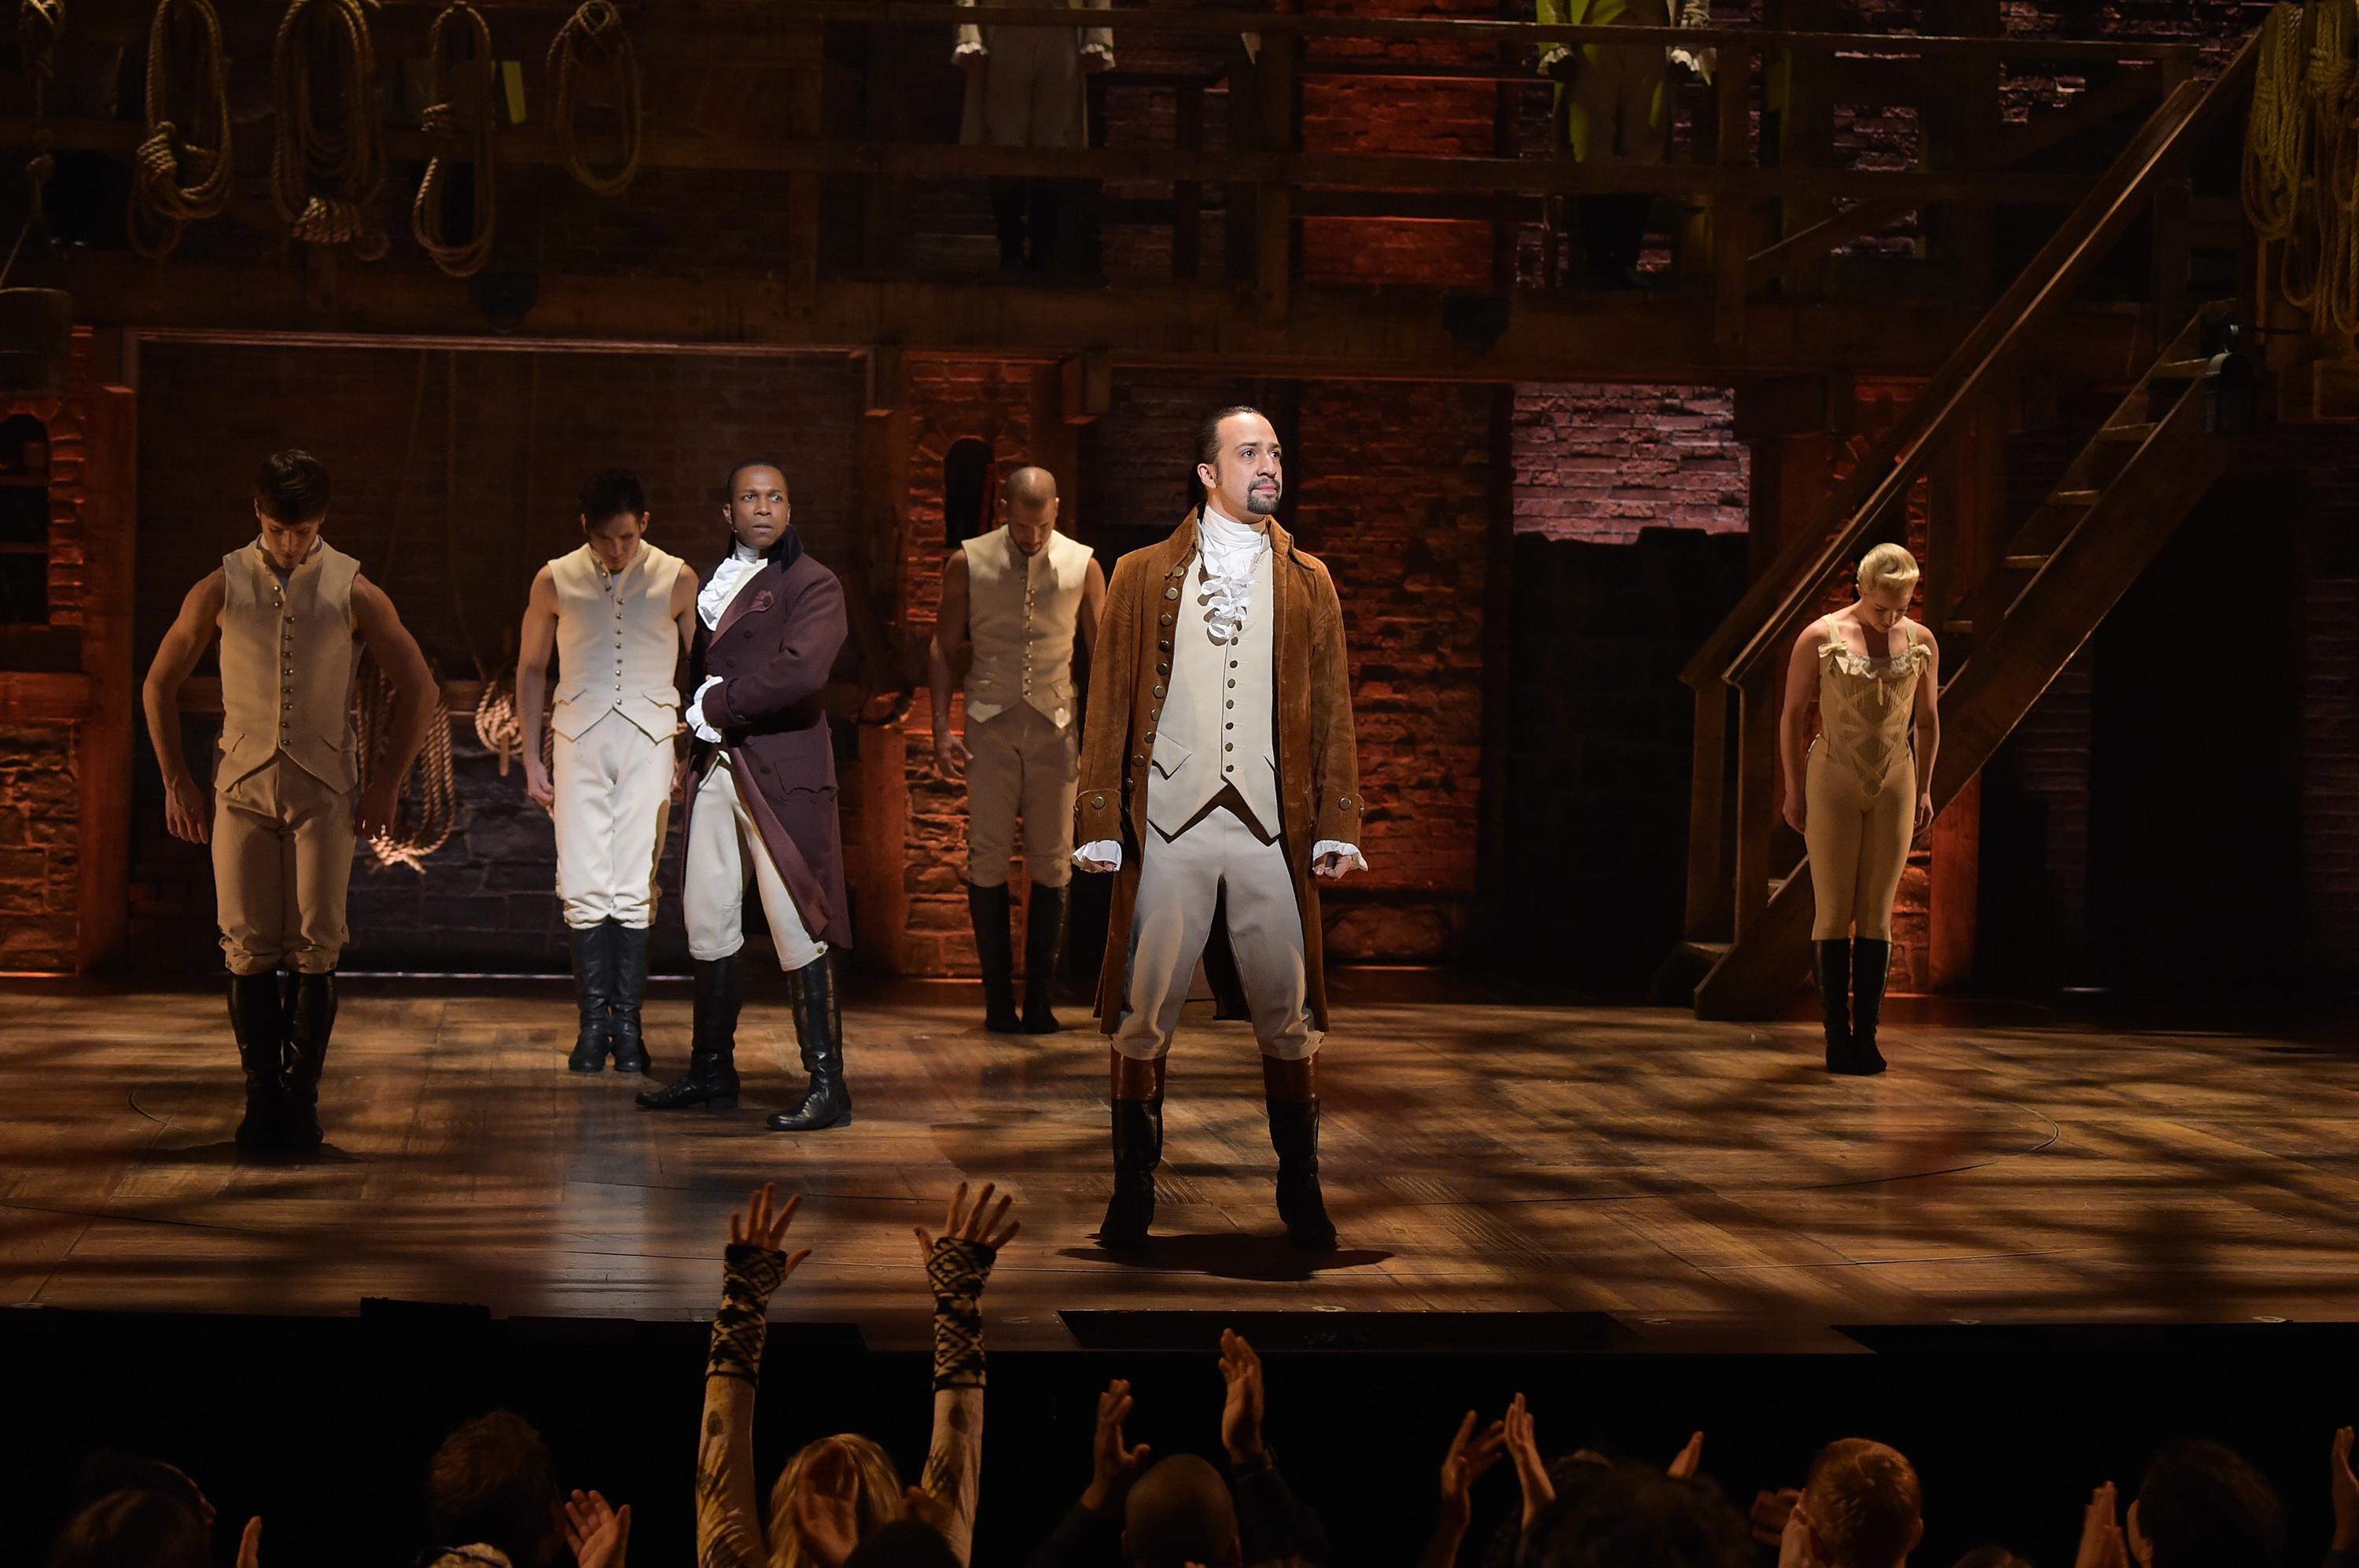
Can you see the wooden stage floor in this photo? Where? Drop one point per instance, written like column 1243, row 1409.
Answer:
column 1703, row 1183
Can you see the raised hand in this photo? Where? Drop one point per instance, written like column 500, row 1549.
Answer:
column 1531, row 1471
column 2101, row 1533
column 598, row 1534
column 1687, row 1460
column 1472, row 1453
column 982, row 1223
column 1794, row 1548
column 826, row 1510
column 1240, row 1412
column 2345, row 1488
column 764, row 1223
column 1113, row 1467
column 922, row 1507
column 249, row 1545
column 1770, row 1512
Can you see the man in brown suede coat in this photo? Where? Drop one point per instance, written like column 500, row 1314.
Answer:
column 1219, row 772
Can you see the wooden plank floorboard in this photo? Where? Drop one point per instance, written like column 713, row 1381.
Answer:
column 1498, row 1158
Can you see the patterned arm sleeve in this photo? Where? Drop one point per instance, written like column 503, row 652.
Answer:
column 728, row 1512
column 957, row 1270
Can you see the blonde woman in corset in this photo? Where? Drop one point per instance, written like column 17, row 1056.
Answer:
column 1866, row 787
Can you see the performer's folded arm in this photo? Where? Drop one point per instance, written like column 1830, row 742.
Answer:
column 815, row 633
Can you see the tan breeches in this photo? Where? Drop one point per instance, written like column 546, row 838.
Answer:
column 1858, row 845
column 1179, row 880
column 724, row 850
column 613, row 806
column 1023, row 767
column 1031, row 88
column 282, row 861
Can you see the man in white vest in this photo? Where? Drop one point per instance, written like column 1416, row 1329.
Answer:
column 1023, row 592
column 619, row 612
column 287, row 799
column 1025, row 88
column 1219, row 775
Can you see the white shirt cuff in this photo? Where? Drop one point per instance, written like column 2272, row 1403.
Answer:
column 696, row 723
column 1353, row 859
column 1103, row 852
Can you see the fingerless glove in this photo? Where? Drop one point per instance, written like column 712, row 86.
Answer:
column 748, row 1275
column 957, row 1270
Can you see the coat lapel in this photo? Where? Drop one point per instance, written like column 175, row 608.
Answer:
column 747, row 591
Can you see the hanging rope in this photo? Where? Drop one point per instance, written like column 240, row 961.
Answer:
column 179, row 181
column 591, row 51
column 2276, row 133
column 40, row 24
column 327, row 168
column 418, row 828
column 496, row 724
column 445, row 118
column 2300, row 182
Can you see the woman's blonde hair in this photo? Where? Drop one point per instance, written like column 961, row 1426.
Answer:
column 1887, row 566
column 876, row 1492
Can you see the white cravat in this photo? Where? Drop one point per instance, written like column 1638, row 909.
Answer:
column 1231, row 551
column 743, row 561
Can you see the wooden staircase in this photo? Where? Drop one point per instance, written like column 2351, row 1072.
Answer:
column 2013, row 632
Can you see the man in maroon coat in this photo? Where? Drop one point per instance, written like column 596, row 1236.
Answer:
column 760, row 787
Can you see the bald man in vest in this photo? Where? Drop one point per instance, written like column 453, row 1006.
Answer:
column 292, row 614
column 618, row 613
column 1220, row 773
column 1023, row 593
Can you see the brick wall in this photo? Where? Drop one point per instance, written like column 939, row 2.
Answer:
column 38, row 868
column 455, row 479
column 1600, row 462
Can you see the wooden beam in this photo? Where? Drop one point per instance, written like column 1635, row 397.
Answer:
column 524, row 148
column 1370, row 333
column 56, row 697
column 1088, row 386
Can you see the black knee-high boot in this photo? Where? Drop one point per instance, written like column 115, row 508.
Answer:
column 711, row 1080
column 1833, row 972
column 1044, row 943
column 1870, row 962
column 987, row 910
column 258, row 1018
column 1136, row 1104
column 1291, row 1089
column 628, row 944
column 593, row 993
column 819, row 1028
column 309, row 1021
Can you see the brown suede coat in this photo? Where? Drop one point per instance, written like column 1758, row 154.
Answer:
column 1318, row 757
column 773, row 650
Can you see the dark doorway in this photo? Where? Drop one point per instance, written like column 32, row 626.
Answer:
column 2193, row 761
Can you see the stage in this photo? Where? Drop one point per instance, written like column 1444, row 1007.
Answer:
column 1657, row 1183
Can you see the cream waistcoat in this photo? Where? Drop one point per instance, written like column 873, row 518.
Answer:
column 1218, row 724
column 617, row 643
column 286, row 662
column 1021, row 613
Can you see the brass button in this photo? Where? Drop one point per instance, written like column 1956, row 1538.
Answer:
column 1154, row 712
column 1150, row 737
column 1097, row 803
column 1232, row 702
column 1229, row 746
column 1172, row 592
column 1167, row 617
column 1139, row 762
column 1162, row 669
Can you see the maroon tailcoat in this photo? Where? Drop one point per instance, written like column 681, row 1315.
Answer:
column 772, row 650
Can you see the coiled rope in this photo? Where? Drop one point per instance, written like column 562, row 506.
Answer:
column 194, row 92
column 496, row 724
column 418, row 828
column 2300, row 183
column 589, row 51
column 328, row 161
column 444, row 119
